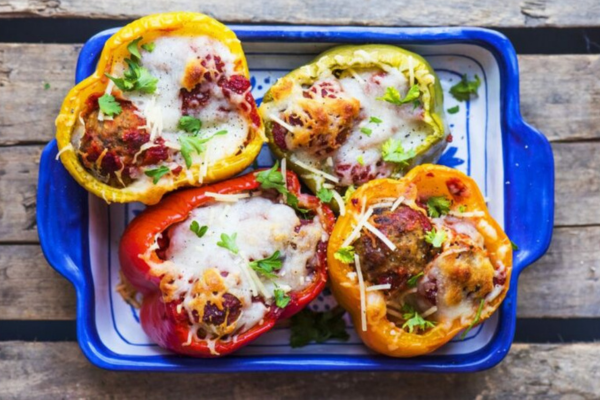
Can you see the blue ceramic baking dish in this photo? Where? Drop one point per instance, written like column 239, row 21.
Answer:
column 511, row 161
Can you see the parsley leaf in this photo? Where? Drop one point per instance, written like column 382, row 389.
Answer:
column 310, row 326
column 475, row 321
column 414, row 320
column 189, row 124
column 514, row 246
column 393, row 96
column 197, row 229
column 392, row 151
column 157, row 173
column 266, row 266
column 453, row 110
column 412, row 282
column 46, row 86
column 438, row 206
column 366, row 131
column 109, row 106
column 146, row 83
column 463, row 90
column 133, row 48
column 325, row 195
column 345, row 254
column 228, row 242
column 281, row 298
column 351, row 189
column 375, row 120
column 462, row 208
column 273, row 179
column 435, row 238
column 360, row 160
column 149, row 47
column 135, row 78
column 194, row 144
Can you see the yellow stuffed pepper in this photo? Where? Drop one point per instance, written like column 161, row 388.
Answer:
column 416, row 260
column 169, row 105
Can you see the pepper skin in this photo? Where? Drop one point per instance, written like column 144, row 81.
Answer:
column 423, row 182
column 364, row 56
column 115, row 49
column 160, row 320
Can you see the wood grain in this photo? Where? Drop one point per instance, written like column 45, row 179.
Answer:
column 508, row 13
column 31, row 290
column 59, row 370
column 28, row 111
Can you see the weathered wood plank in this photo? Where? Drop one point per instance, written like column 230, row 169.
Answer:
column 509, row 13
column 577, row 182
column 31, row 290
column 29, row 110
column 59, row 370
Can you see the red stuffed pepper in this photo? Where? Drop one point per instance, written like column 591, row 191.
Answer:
column 219, row 265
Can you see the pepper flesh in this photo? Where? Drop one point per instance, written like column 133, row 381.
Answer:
column 159, row 320
column 344, row 57
column 381, row 334
column 150, row 28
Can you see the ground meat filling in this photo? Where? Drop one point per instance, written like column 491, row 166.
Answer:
column 406, row 228
column 108, row 148
column 230, row 312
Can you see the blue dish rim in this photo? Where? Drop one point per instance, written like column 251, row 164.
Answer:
column 532, row 230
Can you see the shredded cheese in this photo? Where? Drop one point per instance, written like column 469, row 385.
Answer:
column 282, row 123
column 363, row 296
column 66, row 148
column 356, row 231
column 467, row 214
column 316, row 171
column 356, row 76
column 375, row 288
column 227, row 197
column 384, row 204
column 380, row 235
column 428, row 312
column 397, row 203
column 340, row 201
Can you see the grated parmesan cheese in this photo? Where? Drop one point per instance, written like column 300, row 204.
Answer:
column 363, row 296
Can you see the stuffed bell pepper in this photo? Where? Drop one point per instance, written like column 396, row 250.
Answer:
column 217, row 266
column 169, row 105
column 417, row 260
column 354, row 114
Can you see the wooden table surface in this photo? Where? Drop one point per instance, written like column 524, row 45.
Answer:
column 560, row 95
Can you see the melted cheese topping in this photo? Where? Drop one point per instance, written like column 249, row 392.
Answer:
column 196, row 268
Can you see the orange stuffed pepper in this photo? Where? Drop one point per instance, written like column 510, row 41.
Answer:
column 416, row 260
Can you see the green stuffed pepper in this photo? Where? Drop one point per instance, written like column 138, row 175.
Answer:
column 356, row 113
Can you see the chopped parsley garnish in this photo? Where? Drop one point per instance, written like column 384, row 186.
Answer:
column 462, row 208
column 133, row 49
column 392, row 151
column 412, row 282
column 194, row 144
column 273, row 179
column 325, row 195
column 197, row 229
column 135, row 78
column 360, row 160
column 463, row 90
column 189, row 124
column 149, row 47
column 514, row 246
column 311, row 326
column 366, row 131
column 108, row 105
column 375, row 120
column 393, row 96
column 475, row 321
column 266, row 266
column 281, row 298
column 345, row 254
column 157, row 173
column 228, row 242
column 438, row 206
column 453, row 110
column 46, row 86
column 414, row 320
column 351, row 189
column 435, row 238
